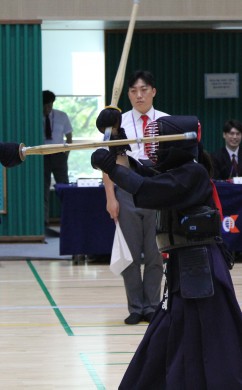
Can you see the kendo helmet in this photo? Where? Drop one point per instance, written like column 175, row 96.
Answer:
column 158, row 152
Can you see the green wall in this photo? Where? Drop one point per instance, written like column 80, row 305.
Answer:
column 21, row 121
column 179, row 60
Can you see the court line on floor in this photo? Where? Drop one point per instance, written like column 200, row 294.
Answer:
column 85, row 357
column 70, row 307
column 50, row 299
column 89, row 367
column 71, row 280
column 92, row 372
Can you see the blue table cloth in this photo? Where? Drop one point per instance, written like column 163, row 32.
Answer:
column 86, row 227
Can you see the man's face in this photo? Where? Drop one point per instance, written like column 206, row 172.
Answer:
column 47, row 108
column 232, row 138
column 141, row 96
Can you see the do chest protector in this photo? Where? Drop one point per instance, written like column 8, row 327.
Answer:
column 190, row 231
column 195, row 226
column 202, row 222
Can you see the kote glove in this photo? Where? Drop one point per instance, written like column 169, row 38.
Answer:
column 9, row 154
column 104, row 160
column 111, row 117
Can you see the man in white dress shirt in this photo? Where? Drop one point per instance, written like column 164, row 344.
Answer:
column 57, row 130
column 138, row 225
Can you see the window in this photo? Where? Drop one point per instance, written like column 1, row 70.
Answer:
column 73, row 68
column 82, row 111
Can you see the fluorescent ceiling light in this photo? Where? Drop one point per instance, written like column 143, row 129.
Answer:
column 228, row 26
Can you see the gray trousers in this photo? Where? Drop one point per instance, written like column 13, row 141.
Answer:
column 138, row 226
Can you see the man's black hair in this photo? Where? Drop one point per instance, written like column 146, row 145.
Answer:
column 48, row 97
column 232, row 123
column 144, row 75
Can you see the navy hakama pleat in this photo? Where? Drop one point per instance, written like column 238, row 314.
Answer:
column 194, row 345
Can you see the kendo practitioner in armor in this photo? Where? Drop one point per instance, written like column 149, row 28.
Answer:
column 194, row 341
column 10, row 154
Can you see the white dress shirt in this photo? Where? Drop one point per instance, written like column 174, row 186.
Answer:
column 60, row 126
column 133, row 126
column 233, row 152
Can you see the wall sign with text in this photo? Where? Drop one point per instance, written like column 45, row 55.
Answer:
column 221, row 85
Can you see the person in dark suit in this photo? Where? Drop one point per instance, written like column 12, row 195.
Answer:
column 227, row 161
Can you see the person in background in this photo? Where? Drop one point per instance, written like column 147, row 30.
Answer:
column 194, row 340
column 137, row 224
column 57, row 129
column 227, row 161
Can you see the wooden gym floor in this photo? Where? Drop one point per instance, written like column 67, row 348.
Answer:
column 62, row 325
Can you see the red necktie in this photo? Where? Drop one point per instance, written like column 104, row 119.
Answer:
column 145, row 121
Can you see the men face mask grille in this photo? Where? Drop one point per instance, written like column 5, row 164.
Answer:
column 169, row 125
